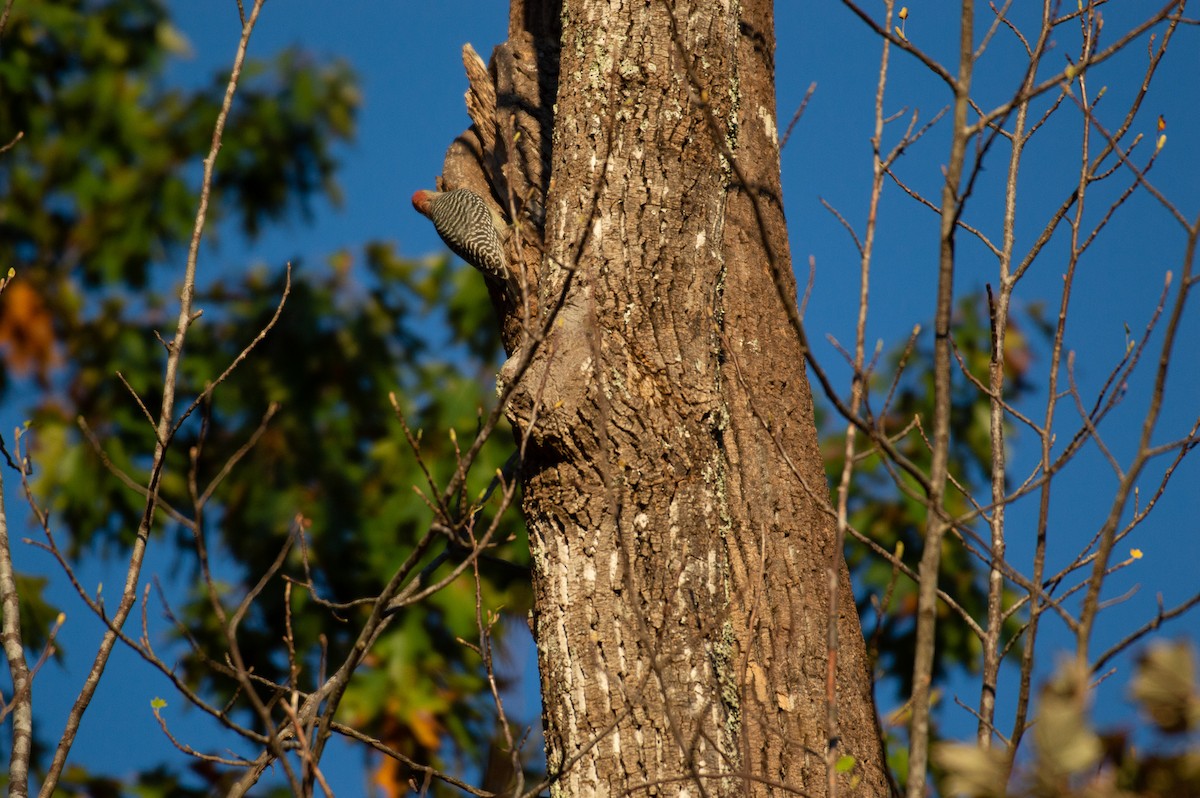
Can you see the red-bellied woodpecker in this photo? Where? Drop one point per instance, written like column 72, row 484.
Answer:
column 469, row 227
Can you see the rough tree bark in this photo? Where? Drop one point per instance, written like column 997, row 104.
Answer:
column 673, row 488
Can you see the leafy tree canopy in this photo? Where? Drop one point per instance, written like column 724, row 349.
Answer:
column 100, row 200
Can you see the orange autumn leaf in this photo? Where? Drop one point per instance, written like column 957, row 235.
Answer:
column 425, row 727
column 26, row 329
column 418, row 736
column 391, row 778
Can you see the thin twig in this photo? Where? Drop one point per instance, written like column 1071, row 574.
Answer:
column 812, row 87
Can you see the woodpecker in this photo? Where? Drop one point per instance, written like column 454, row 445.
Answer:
column 469, row 227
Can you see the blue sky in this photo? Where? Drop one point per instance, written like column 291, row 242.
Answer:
column 408, row 57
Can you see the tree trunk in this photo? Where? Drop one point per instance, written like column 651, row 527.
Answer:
column 673, row 488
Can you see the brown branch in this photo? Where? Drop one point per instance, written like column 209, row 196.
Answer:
column 14, row 652
column 237, row 361
column 237, row 456
column 998, row 314
column 936, row 526
column 1075, row 70
column 858, row 384
column 904, row 44
column 187, row 749
column 125, row 479
column 1149, row 424
column 1145, row 629
column 812, row 87
column 20, row 133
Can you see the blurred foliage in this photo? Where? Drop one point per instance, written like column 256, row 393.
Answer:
column 887, row 505
column 1072, row 760
column 99, row 202
column 103, row 186
column 100, row 196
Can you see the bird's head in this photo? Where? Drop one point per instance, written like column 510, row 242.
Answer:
column 421, row 200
